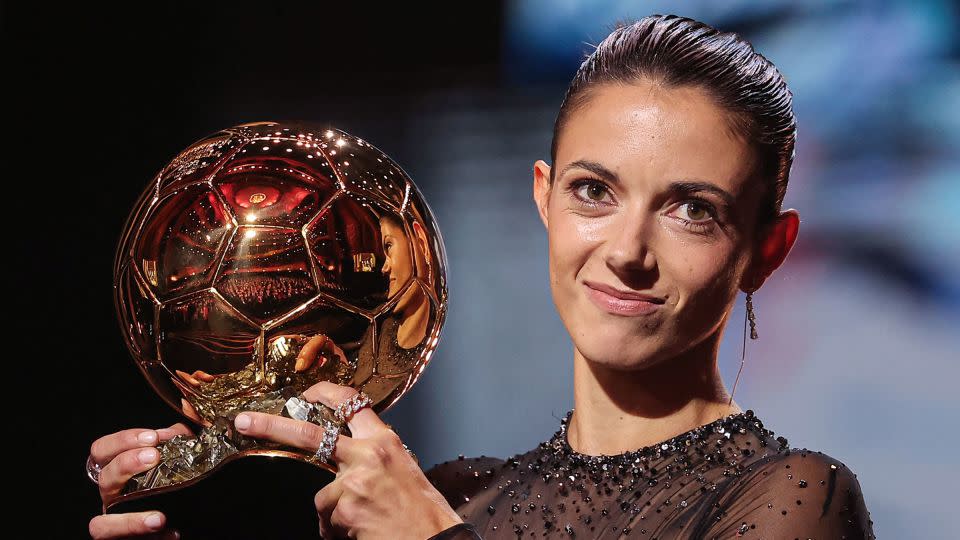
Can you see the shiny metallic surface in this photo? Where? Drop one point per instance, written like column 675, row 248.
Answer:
column 271, row 256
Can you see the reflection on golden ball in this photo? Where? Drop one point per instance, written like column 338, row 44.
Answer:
column 274, row 255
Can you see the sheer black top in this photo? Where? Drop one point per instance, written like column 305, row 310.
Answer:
column 730, row 478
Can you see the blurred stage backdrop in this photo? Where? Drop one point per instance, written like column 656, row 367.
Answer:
column 857, row 355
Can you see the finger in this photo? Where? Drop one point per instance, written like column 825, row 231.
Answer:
column 303, row 363
column 104, row 449
column 114, row 475
column 187, row 377
column 176, row 429
column 130, row 524
column 297, row 433
column 325, row 501
column 310, row 351
column 204, row 376
column 363, row 424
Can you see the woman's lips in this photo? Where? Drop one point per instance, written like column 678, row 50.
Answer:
column 621, row 306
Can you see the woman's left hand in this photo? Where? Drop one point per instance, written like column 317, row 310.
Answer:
column 379, row 491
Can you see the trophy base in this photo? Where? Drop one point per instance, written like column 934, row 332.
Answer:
column 257, row 497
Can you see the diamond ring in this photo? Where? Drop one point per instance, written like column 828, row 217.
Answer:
column 93, row 470
column 347, row 409
column 331, row 432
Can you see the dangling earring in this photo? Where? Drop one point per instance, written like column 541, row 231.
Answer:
column 753, row 335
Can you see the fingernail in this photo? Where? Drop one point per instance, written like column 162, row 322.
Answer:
column 147, row 456
column 152, row 521
column 147, row 437
column 243, row 422
column 176, row 534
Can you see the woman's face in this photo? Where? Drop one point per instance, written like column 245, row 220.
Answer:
column 649, row 197
column 396, row 251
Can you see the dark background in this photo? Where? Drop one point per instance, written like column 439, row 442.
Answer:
column 856, row 356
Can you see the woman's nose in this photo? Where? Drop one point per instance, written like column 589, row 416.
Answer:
column 628, row 247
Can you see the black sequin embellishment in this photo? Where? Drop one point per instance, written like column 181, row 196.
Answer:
column 688, row 486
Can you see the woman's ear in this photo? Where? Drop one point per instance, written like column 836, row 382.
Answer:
column 421, row 243
column 541, row 188
column 772, row 247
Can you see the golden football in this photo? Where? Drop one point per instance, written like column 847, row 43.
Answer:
column 276, row 255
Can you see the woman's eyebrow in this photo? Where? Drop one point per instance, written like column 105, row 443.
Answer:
column 595, row 168
column 688, row 187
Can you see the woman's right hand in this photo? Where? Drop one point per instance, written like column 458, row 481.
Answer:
column 122, row 455
column 317, row 350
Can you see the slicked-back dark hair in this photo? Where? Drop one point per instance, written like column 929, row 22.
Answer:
column 678, row 51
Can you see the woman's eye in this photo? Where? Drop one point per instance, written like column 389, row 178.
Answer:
column 697, row 211
column 589, row 191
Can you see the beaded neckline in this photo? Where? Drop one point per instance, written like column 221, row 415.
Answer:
column 724, row 427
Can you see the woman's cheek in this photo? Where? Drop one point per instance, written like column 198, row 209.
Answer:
column 702, row 279
column 566, row 247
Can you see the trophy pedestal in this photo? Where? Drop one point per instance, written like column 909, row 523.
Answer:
column 257, row 497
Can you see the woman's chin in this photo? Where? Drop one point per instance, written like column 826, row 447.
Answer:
column 619, row 358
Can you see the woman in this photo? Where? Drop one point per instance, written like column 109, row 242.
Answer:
column 671, row 156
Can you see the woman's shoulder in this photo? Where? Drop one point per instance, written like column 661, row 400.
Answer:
column 461, row 478
column 805, row 459
column 795, row 491
column 800, row 468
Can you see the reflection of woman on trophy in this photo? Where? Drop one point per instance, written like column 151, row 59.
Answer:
column 384, row 363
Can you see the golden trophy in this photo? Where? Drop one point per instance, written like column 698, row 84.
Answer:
column 263, row 259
